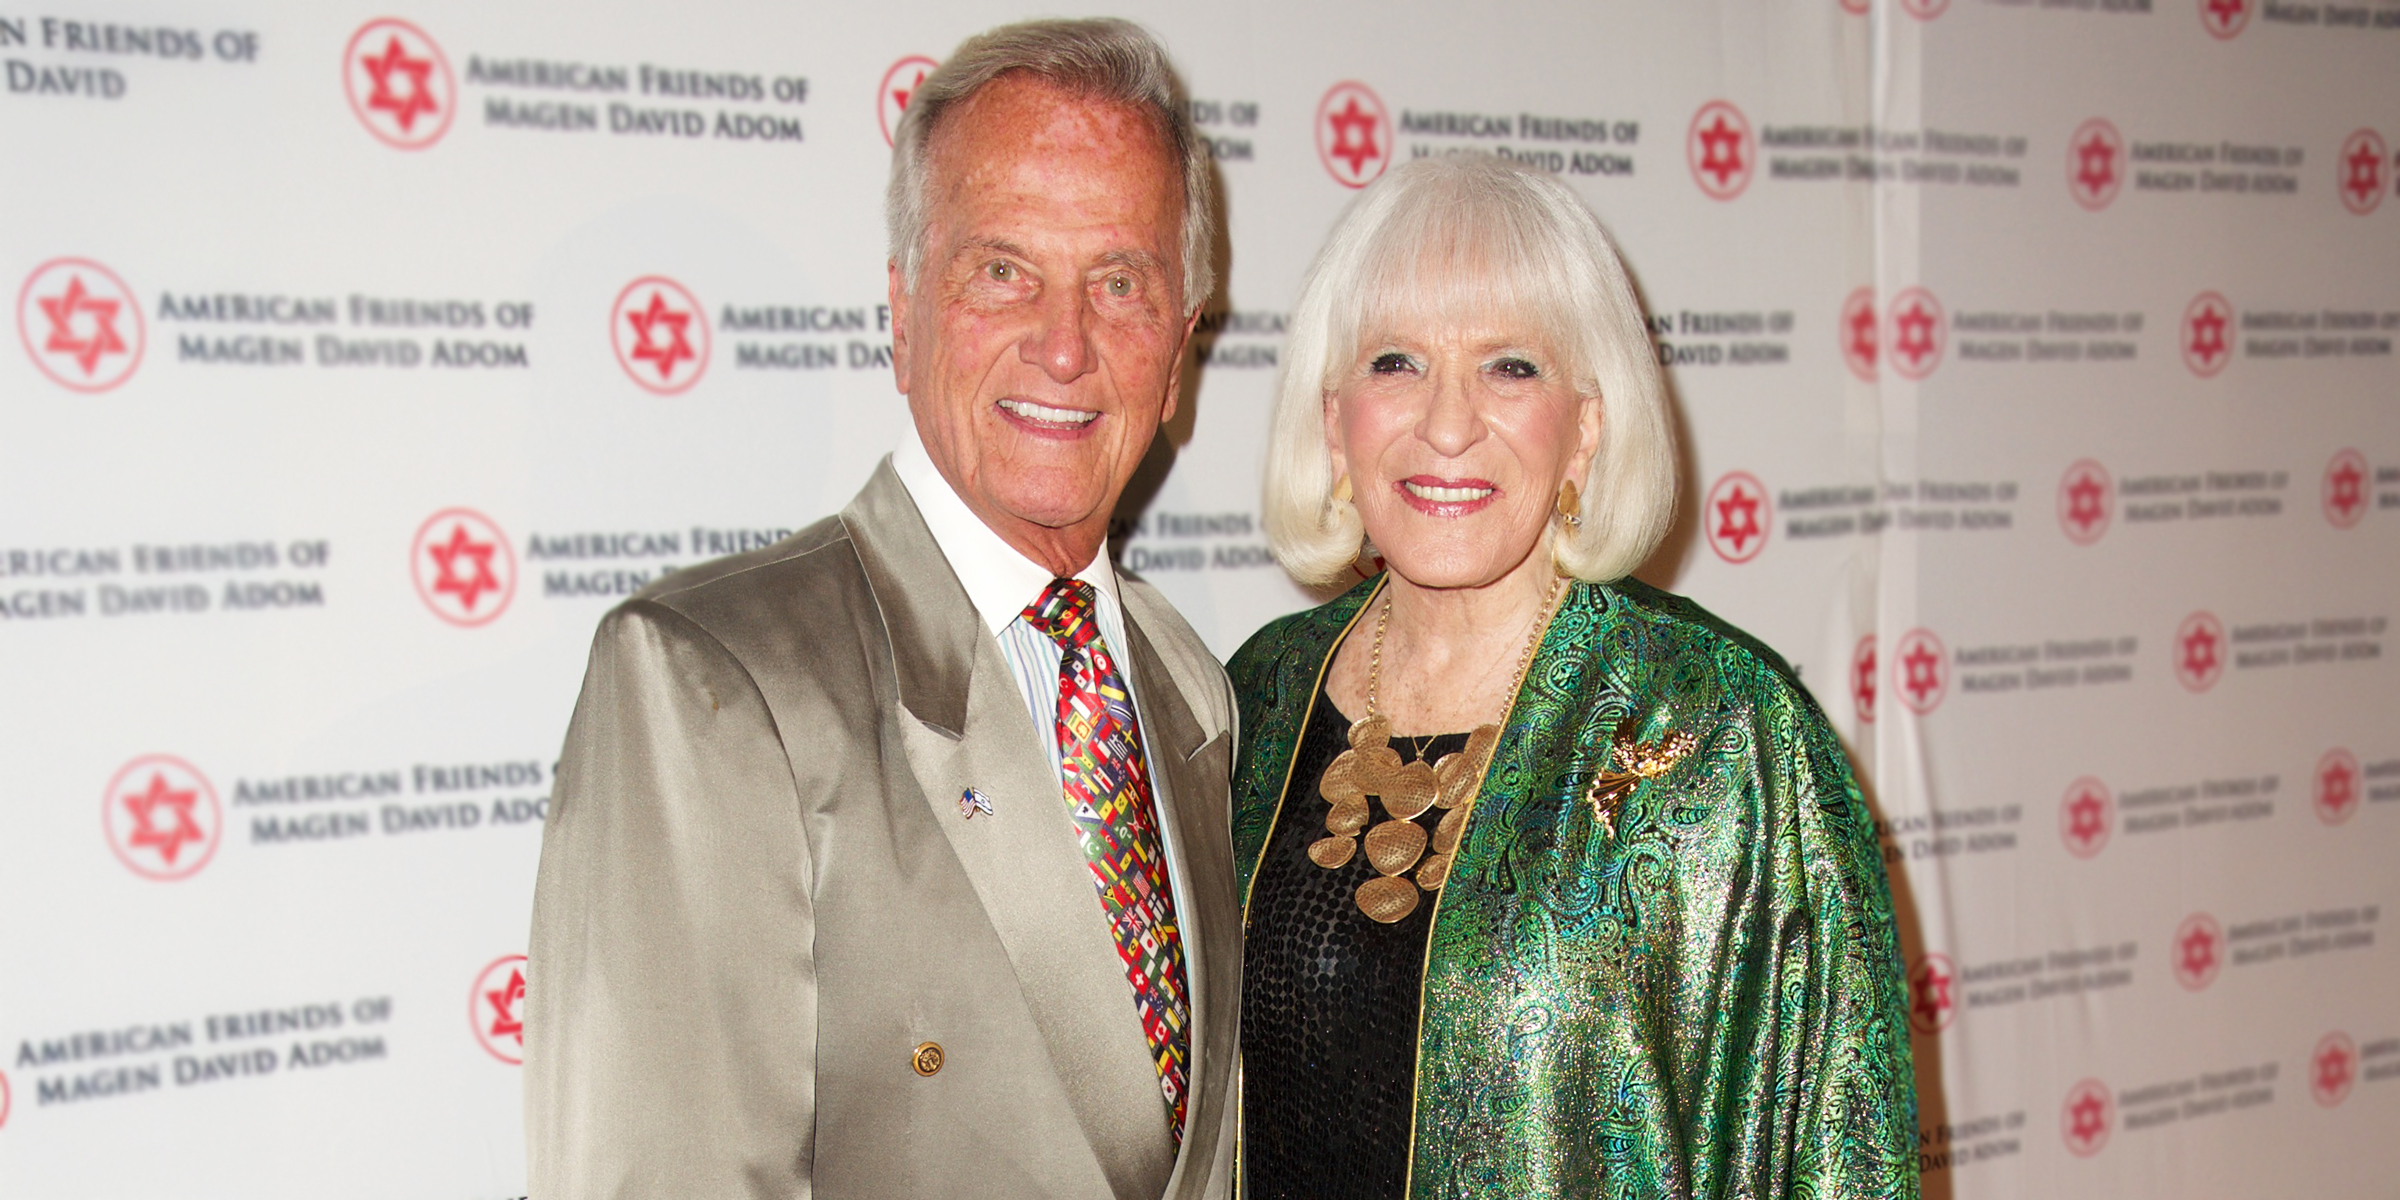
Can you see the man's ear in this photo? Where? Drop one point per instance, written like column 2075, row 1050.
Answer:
column 1183, row 348
column 896, row 292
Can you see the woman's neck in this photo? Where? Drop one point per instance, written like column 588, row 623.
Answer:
column 1450, row 655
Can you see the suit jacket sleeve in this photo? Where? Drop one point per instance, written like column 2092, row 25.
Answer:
column 671, row 995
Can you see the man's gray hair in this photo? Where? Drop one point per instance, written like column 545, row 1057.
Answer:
column 1102, row 59
column 1473, row 241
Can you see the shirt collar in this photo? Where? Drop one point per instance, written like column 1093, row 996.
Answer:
column 999, row 581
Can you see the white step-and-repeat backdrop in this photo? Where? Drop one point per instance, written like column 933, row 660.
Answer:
column 2035, row 360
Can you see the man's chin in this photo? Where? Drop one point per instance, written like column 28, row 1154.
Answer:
column 1048, row 509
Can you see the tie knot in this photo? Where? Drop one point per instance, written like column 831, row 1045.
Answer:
column 1065, row 612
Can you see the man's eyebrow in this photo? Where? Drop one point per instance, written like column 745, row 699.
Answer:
column 991, row 244
column 1141, row 260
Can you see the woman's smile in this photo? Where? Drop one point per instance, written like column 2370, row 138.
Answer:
column 1440, row 497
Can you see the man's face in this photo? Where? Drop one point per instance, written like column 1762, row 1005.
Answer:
column 1040, row 346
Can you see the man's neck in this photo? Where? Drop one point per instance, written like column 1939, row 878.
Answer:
column 1063, row 551
column 1000, row 575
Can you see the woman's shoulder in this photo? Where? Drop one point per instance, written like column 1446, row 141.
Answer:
column 1672, row 643
column 1305, row 631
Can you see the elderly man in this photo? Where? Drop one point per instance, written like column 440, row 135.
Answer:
column 893, row 860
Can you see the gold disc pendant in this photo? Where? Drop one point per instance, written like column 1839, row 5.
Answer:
column 1333, row 852
column 1370, row 768
column 1387, row 898
column 1395, row 846
column 1370, row 771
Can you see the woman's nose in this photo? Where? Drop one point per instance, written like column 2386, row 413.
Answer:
column 1450, row 424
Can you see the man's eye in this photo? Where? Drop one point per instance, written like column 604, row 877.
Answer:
column 1119, row 285
column 1002, row 272
column 1517, row 368
column 1390, row 363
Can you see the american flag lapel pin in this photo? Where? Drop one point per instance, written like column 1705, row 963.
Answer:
column 973, row 801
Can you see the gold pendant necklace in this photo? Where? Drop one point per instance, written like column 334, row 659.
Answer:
column 1370, row 767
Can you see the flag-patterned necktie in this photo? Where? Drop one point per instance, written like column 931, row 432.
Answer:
column 1107, row 786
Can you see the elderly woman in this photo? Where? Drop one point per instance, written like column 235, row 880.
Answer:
column 1555, row 884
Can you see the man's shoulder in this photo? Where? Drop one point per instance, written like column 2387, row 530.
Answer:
column 1194, row 665
column 766, row 569
column 1158, row 619
column 775, row 604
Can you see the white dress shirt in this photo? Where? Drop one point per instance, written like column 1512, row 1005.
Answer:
column 1000, row 583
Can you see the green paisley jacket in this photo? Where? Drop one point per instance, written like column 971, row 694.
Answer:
column 1699, row 994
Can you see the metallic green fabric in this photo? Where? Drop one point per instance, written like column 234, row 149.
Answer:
column 1707, row 1002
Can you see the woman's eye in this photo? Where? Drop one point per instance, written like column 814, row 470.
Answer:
column 1517, row 368
column 1392, row 363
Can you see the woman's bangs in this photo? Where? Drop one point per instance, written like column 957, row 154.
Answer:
column 1452, row 263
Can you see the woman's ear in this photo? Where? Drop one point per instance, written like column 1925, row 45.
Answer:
column 1587, row 439
column 1340, row 462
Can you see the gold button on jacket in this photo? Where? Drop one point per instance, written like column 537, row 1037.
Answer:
column 926, row 1058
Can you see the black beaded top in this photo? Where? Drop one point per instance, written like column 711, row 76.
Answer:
column 1329, row 1001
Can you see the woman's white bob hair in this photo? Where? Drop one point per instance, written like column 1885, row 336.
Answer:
column 1473, row 238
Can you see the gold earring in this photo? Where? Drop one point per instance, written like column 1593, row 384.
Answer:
column 1570, row 504
column 1341, row 490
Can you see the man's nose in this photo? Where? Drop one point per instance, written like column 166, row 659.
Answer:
column 1060, row 343
column 1450, row 424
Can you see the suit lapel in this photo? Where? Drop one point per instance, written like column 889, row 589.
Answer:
column 1184, row 762
column 965, row 725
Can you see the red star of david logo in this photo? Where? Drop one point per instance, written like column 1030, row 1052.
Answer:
column 2332, row 1070
column 2096, row 165
column 2087, row 820
column 2337, row 787
column 162, row 804
column 2348, row 487
column 1739, row 503
column 2196, row 952
column 1860, row 328
column 1354, row 136
column 1862, row 678
column 1930, row 1002
column 1921, row 673
column 2087, row 1118
column 898, row 84
column 2200, row 652
column 2362, row 175
column 2208, row 335
column 2084, row 497
column 504, row 1001
column 62, row 310
column 1924, row 671
column 1721, row 151
column 1915, row 325
column 395, row 61
column 2094, row 155
column 447, row 558
column 2225, row 18
column 657, row 317
column 1737, row 518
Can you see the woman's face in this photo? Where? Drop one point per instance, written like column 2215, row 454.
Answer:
column 1456, row 439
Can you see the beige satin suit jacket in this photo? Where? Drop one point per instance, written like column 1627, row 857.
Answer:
column 758, row 897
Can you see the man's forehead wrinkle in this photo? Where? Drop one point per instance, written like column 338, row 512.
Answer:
column 1042, row 117
column 1032, row 115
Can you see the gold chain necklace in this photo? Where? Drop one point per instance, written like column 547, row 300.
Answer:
column 1370, row 767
